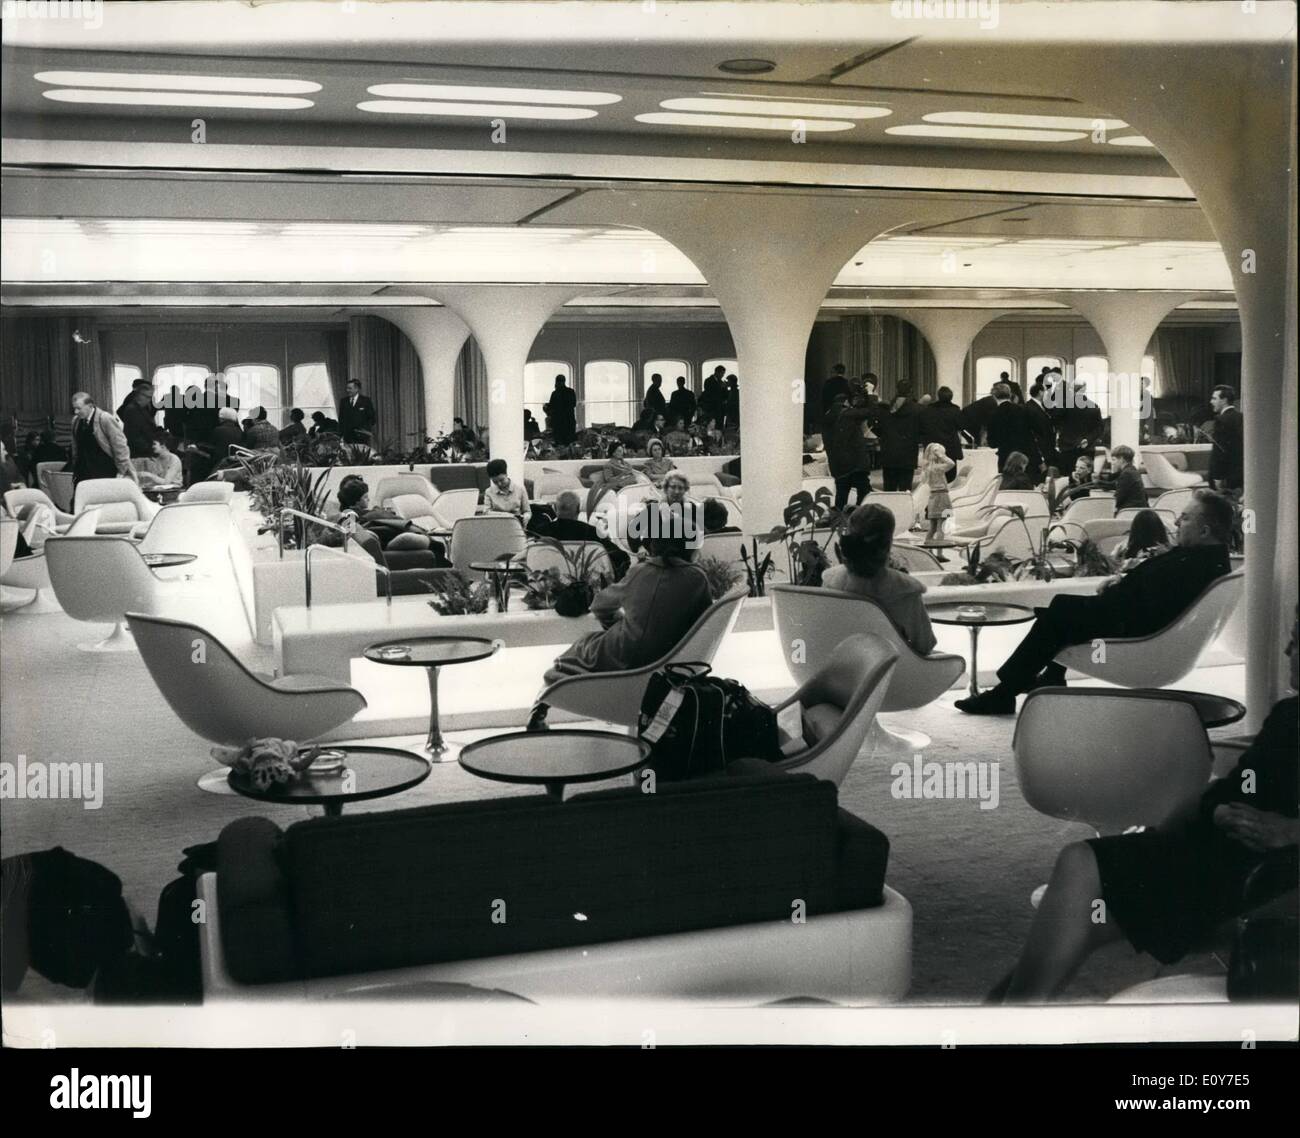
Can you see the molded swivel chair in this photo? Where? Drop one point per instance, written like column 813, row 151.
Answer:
column 101, row 579
column 820, row 619
column 615, row 697
column 484, row 539
column 219, row 699
column 15, row 500
column 1166, row 656
column 124, row 508
column 209, row 492
column 839, row 704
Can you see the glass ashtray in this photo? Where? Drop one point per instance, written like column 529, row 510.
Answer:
column 394, row 652
column 972, row 612
column 328, row 762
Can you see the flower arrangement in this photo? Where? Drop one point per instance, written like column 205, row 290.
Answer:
column 267, row 762
column 454, row 594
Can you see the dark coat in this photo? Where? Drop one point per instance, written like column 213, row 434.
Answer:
column 1130, row 493
column 1009, row 430
column 353, row 419
column 561, row 411
column 975, row 418
column 1044, row 432
column 654, row 399
column 900, row 435
column 681, row 405
column 941, row 423
column 846, row 448
column 1227, row 457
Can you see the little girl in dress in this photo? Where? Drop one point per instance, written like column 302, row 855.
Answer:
column 935, row 463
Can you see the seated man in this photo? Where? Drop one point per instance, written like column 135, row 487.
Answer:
column 566, row 526
column 1144, row 601
column 716, row 517
column 502, row 495
column 1130, row 494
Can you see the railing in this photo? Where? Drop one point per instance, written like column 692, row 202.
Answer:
column 388, row 575
column 291, row 513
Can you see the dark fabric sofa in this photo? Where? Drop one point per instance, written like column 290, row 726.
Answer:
column 368, row 892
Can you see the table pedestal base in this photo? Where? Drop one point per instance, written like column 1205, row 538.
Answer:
column 120, row 640
column 974, row 659
column 435, row 746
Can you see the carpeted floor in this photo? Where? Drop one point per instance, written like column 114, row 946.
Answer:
column 967, row 872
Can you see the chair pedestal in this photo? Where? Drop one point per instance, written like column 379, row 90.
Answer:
column 120, row 640
column 884, row 740
column 43, row 601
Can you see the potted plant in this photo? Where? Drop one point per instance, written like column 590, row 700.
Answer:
column 723, row 575
column 454, row 594
column 573, row 585
column 805, row 516
column 277, row 482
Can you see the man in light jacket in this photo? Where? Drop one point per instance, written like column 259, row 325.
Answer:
column 99, row 447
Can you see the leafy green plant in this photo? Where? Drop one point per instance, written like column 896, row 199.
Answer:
column 454, row 594
column 541, row 587
column 723, row 575
column 277, row 482
column 805, row 516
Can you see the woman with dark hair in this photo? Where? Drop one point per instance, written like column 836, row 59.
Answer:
column 646, row 614
column 1147, row 537
column 864, row 555
column 1015, row 475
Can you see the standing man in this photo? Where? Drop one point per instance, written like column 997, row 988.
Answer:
column 1228, row 457
column 99, row 447
column 1077, row 418
column 837, row 384
column 356, row 415
column 1009, row 430
column 941, row 423
column 1041, row 427
column 681, row 405
column 562, row 410
column 138, row 418
column 654, row 401
column 846, row 448
column 900, row 437
column 975, row 418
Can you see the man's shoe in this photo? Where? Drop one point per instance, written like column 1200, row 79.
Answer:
column 995, row 701
column 1053, row 676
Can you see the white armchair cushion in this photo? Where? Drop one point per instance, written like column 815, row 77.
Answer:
column 411, row 506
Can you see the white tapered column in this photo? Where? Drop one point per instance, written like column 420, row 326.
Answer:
column 950, row 333
column 437, row 334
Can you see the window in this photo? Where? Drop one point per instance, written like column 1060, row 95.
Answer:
column 310, row 391
column 539, row 382
column 607, row 393
column 1149, row 370
column 123, row 376
column 706, row 369
column 256, row 385
column 1092, row 374
column 670, row 370
column 1034, row 367
column 182, row 376
column 988, row 369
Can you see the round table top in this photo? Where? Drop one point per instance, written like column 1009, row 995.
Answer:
column 499, row 566
column 1214, row 710
column 432, row 651
column 368, row 772
column 162, row 560
column 962, row 612
column 557, row 756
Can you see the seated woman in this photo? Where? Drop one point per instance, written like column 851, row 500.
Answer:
column 646, row 614
column 503, row 496
column 163, row 468
column 1165, row 891
column 393, row 531
column 616, row 474
column 659, row 464
column 1015, row 474
column 1147, row 537
column 864, row 554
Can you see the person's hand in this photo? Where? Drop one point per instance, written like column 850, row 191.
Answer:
column 1110, row 582
column 1256, row 829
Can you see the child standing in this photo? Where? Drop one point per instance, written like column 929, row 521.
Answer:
column 935, row 464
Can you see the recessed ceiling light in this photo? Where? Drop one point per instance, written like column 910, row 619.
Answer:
column 1132, row 140
column 1005, row 134
column 1033, row 122
column 177, row 99
column 473, row 110
column 747, row 66
column 794, row 109
column 541, row 95
column 744, row 122
column 124, row 80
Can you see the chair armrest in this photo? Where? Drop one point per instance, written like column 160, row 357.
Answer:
column 256, row 927
column 614, row 697
column 303, row 682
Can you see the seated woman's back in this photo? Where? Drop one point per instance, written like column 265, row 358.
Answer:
column 659, row 599
column 864, row 552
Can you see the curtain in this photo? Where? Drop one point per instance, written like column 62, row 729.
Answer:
column 1184, row 363
column 41, row 366
column 336, row 362
column 890, row 347
column 471, row 402
column 382, row 358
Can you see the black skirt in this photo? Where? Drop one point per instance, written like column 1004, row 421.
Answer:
column 1168, row 891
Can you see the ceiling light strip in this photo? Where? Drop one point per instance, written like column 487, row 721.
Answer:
column 473, row 110
column 143, row 81
column 177, row 99
column 526, row 95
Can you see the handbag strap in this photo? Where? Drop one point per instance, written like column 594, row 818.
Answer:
column 684, row 671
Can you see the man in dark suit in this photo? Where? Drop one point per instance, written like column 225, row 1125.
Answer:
column 900, row 437
column 566, row 526
column 1009, row 430
column 1040, row 426
column 837, row 384
column 356, row 415
column 139, row 419
column 975, row 419
column 1227, row 458
column 1130, row 493
column 562, row 412
column 681, row 404
column 941, row 423
column 1077, row 419
column 1146, row 599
